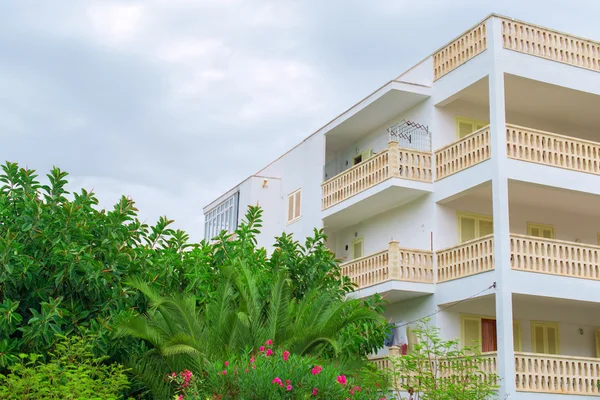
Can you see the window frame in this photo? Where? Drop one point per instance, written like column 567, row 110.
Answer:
column 360, row 240
column 295, row 207
column 474, row 123
column 224, row 213
column 534, row 324
column 541, row 227
column 364, row 156
column 477, row 217
column 517, row 345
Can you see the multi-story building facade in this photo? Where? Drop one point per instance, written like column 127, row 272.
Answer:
column 467, row 190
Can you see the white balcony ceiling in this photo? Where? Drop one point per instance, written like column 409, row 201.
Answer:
column 384, row 104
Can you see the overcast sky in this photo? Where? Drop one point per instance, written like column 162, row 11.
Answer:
column 173, row 102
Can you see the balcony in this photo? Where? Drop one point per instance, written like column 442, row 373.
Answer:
column 393, row 162
column 528, row 253
column 542, row 373
column 466, row 259
column 462, row 154
column 555, row 257
column 552, row 149
column 413, row 267
column 545, row 373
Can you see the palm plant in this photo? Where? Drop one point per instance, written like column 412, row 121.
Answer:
column 238, row 320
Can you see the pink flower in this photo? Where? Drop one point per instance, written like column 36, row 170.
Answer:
column 180, row 397
column 269, row 352
column 224, row 372
column 227, row 363
column 288, row 388
column 261, row 348
column 269, row 342
column 314, row 393
column 341, row 379
column 286, row 355
column 246, row 370
column 253, row 366
column 317, row 370
column 252, row 359
column 287, row 382
column 276, row 380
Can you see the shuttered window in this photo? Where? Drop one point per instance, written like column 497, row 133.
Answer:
column 364, row 156
column 482, row 332
column 294, row 204
column 466, row 126
column 541, row 231
column 544, row 338
column 472, row 226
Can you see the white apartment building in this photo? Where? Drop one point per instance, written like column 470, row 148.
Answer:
column 468, row 189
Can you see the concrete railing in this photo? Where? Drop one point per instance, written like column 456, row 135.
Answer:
column 555, row 257
column 552, row 149
column 549, row 44
column 395, row 263
column 486, row 363
column 393, row 162
column 545, row 373
column 465, row 259
column 462, row 154
column 459, row 51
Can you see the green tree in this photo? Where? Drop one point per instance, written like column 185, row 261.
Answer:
column 440, row 369
column 62, row 264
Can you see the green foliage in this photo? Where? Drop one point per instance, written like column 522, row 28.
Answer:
column 62, row 264
column 442, row 370
column 72, row 372
column 278, row 375
column 239, row 320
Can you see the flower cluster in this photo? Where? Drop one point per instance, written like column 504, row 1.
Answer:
column 271, row 372
column 182, row 380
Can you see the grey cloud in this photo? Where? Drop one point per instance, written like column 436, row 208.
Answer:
column 202, row 94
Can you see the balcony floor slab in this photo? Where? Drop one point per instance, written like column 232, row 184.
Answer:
column 395, row 291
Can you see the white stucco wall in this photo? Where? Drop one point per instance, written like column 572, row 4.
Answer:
column 410, row 225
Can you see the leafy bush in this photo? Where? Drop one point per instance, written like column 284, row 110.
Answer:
column 72, row 372
column 275, row 374
column 443, row 370
column 239, row 319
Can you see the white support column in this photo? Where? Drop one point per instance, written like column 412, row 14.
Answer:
column 504, row 309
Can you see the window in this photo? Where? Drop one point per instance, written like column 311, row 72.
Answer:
column 364, row 156
column 294, row 203
column 539, row 230
column 544, row 338
column 224, row 216
column 466, row 126
column 357, row 248
column 481, row 331
column 472, row 226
